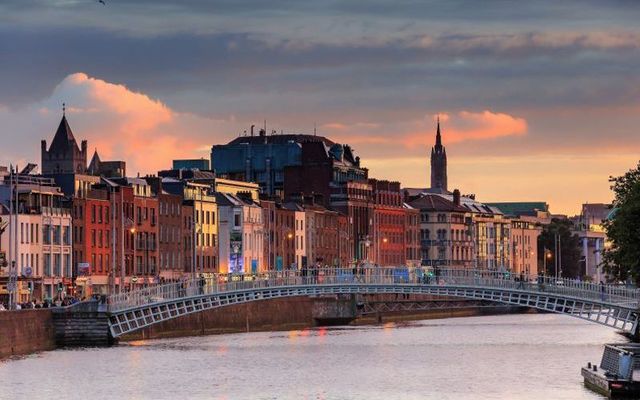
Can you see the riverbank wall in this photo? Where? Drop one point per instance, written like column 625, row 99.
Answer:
column 26, row 331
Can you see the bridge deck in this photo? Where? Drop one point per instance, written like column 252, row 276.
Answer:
column 609, row 305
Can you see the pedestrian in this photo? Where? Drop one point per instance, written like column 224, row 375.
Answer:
column 602, row 291
column 521, row 283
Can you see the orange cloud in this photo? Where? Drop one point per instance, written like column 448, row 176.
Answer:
column 467, row 125
column 131, row 126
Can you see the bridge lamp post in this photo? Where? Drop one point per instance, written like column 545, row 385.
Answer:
column 385, row 240
column 547, row 256
column 133, row 261
column 289, row 237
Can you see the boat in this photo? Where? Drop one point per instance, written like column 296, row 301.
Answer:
column 618, row 375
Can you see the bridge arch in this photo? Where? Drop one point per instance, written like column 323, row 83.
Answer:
column 614, row 307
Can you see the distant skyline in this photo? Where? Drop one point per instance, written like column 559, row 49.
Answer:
column 537, row 102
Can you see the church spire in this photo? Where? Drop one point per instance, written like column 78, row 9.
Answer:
column 438, row 163
column 438, row 136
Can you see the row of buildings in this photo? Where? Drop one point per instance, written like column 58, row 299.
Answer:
column 265, row 202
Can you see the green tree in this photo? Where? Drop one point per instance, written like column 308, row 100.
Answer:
column 621, row 257
column 571, row 260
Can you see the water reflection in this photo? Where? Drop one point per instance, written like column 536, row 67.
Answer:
column 513, row 356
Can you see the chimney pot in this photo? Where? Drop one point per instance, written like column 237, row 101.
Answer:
column 456, row 197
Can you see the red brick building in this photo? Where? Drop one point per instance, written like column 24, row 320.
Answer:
column 92, row 247
column 279, row 246
column 327, row 236
column 136, row 221
column 334, row 177
column 171, row 232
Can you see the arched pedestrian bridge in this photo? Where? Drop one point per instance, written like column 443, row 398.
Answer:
column 609, row 305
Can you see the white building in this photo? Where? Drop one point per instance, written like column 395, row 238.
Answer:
column 41, row 244
column 240, row 231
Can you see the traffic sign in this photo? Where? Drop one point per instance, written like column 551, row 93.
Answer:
column 28, row 271
column 11, row 286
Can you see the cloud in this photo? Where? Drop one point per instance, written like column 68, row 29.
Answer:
column 118, row 122
column 457, row 127
column 483, row 125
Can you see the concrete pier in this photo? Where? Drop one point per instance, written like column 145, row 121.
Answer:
column 82, row 324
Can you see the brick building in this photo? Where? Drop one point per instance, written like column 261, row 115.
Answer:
column 92, row 241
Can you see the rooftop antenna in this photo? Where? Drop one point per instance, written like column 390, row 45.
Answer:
column 314, row 129
column 265, row 126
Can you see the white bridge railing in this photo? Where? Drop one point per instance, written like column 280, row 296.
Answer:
column 400, row 276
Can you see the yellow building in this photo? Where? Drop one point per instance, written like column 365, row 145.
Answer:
column 205, row 232
column 234, row 187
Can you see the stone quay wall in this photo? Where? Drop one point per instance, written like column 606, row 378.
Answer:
column 26, row 331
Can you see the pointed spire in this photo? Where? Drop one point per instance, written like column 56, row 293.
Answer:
column 63, row 140
column 94, row 165
column 438, row 136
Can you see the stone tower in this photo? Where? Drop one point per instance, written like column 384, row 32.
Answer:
column 64, row 156
column 439, row 163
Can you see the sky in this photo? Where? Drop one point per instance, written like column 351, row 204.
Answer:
column 538, row 100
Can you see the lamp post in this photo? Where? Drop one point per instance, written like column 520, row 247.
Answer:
column 289, row 237
column 385, row 240
column 133, row 260
column 546, row 255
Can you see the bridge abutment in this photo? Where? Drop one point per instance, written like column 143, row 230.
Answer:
column 83, row 324
column 334, row 310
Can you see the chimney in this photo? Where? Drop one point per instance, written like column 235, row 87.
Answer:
column 252, row 126
column 456, row 197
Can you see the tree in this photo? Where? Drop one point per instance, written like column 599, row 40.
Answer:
column 571, row 260
column 621, row 256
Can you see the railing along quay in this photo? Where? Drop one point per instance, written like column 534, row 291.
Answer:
column 616, row 295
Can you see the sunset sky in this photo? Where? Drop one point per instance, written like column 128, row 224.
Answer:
column 538, row 100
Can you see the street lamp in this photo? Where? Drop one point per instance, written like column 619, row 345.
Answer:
column 547, row 255
column 133, row 260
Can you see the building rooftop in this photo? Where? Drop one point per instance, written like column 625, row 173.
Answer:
column 281, row 139
column 517, row 208
column 433, row 202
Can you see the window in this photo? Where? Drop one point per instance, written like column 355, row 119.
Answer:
column 56, row 234
column 236, row 220
column 93, row 213
column 100, row 214
column 67, row 265
column 47, row 264
column 66, row 235
column 46, row 234
column 57, row 266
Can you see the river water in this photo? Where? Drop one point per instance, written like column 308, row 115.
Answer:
column 496, row 357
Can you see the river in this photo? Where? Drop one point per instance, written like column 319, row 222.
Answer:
column 534, row 356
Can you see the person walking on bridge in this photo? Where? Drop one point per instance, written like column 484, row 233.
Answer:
column 521, row 283
column 602, row 291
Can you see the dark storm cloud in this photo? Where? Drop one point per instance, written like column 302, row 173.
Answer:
column 329, row 61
